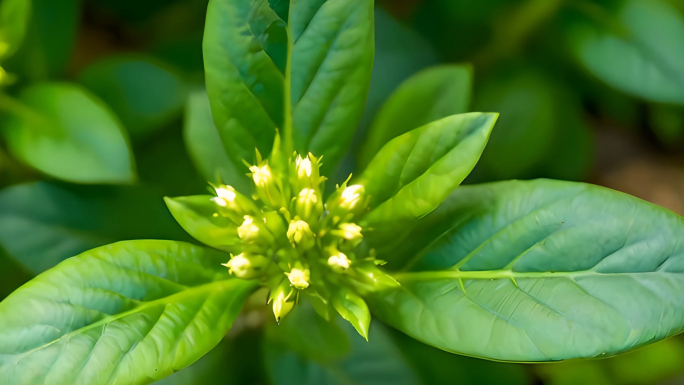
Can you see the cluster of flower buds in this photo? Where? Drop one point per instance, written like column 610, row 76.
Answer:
column 296, row 243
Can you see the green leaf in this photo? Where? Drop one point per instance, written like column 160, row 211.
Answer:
column 436, row 366
column 66, row 132
column 306, row 75
column 145, row 93
column 376, row 362
column 14, row 18
column 131, row 312
column 352, row 308
column 637, row 48
column 41, row 224
column 429, row 95
column 415, row 172
column 540, row 271
column 205, row 148
column 49, row 39
column 196, row 215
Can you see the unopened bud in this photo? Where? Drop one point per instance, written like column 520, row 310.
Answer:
column 309, row 205
column 339, row 262
column 253, row 230
column 300, row 235
column 299, row 278
column 351, row 196
column 247, row 266
column 232, row 204
column 280, row 296
column 350, row 231
column 308, row 172
column 266, row 186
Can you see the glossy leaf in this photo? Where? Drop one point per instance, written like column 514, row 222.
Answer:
column 415, row 172
column 131, row 312
column 41, row 224
column 196, row 215
column 541, row 271
column 378, row 362
column 205, row 147
column 429, row 95
column 145, row 93
column 66, row 132
column 353, row 309
column 14, row 18
column 267, row 71
column 638, row 48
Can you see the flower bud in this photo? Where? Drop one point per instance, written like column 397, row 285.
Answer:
column 266, row 186
column 299, row 278
column 300, row 235
column 253, row 230
column 308, row 172
column 351, row 197
column 247, row 266
column 232, row 204
column 309, row 206
column 339, row 262
column 349, row 231
column 280, row 296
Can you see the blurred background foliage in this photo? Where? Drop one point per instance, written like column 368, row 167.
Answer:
column 103, row 112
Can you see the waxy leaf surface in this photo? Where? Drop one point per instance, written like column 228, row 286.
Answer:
column 127, row 313
column 540, row 271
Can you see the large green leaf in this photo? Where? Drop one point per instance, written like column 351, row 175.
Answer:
column 540, row 271
column 638, row 48
column 429, row 95
column 145, row 93
column 41, row 224
column 14, row 17
column 378, row 361
column 128, row 313
column 415, row 172
column 66, row 132
column 302, row 67
column 204, row 145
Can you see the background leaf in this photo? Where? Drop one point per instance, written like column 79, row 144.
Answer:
column 14, row 18
column 429, row 95
column 131, row 312
column 637, row 47
column 42, row 224
column 378, row 361
column 49, row 40
column 204, row 145
column 65, row 132
column 541, row 271
column 145, row 93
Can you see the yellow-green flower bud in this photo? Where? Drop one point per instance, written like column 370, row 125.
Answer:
column 299, row 278
column 280, row 297
column 339, row 262
column 247, row 266
column 309, row 206
column 253, row 230
column 266, row 186
column 308, row 172
column 351, row 197
column 300, row 235
column 232, row 204
column 349, row 231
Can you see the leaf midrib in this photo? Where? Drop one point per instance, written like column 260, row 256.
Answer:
column 509, row 274
column 176, row 297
